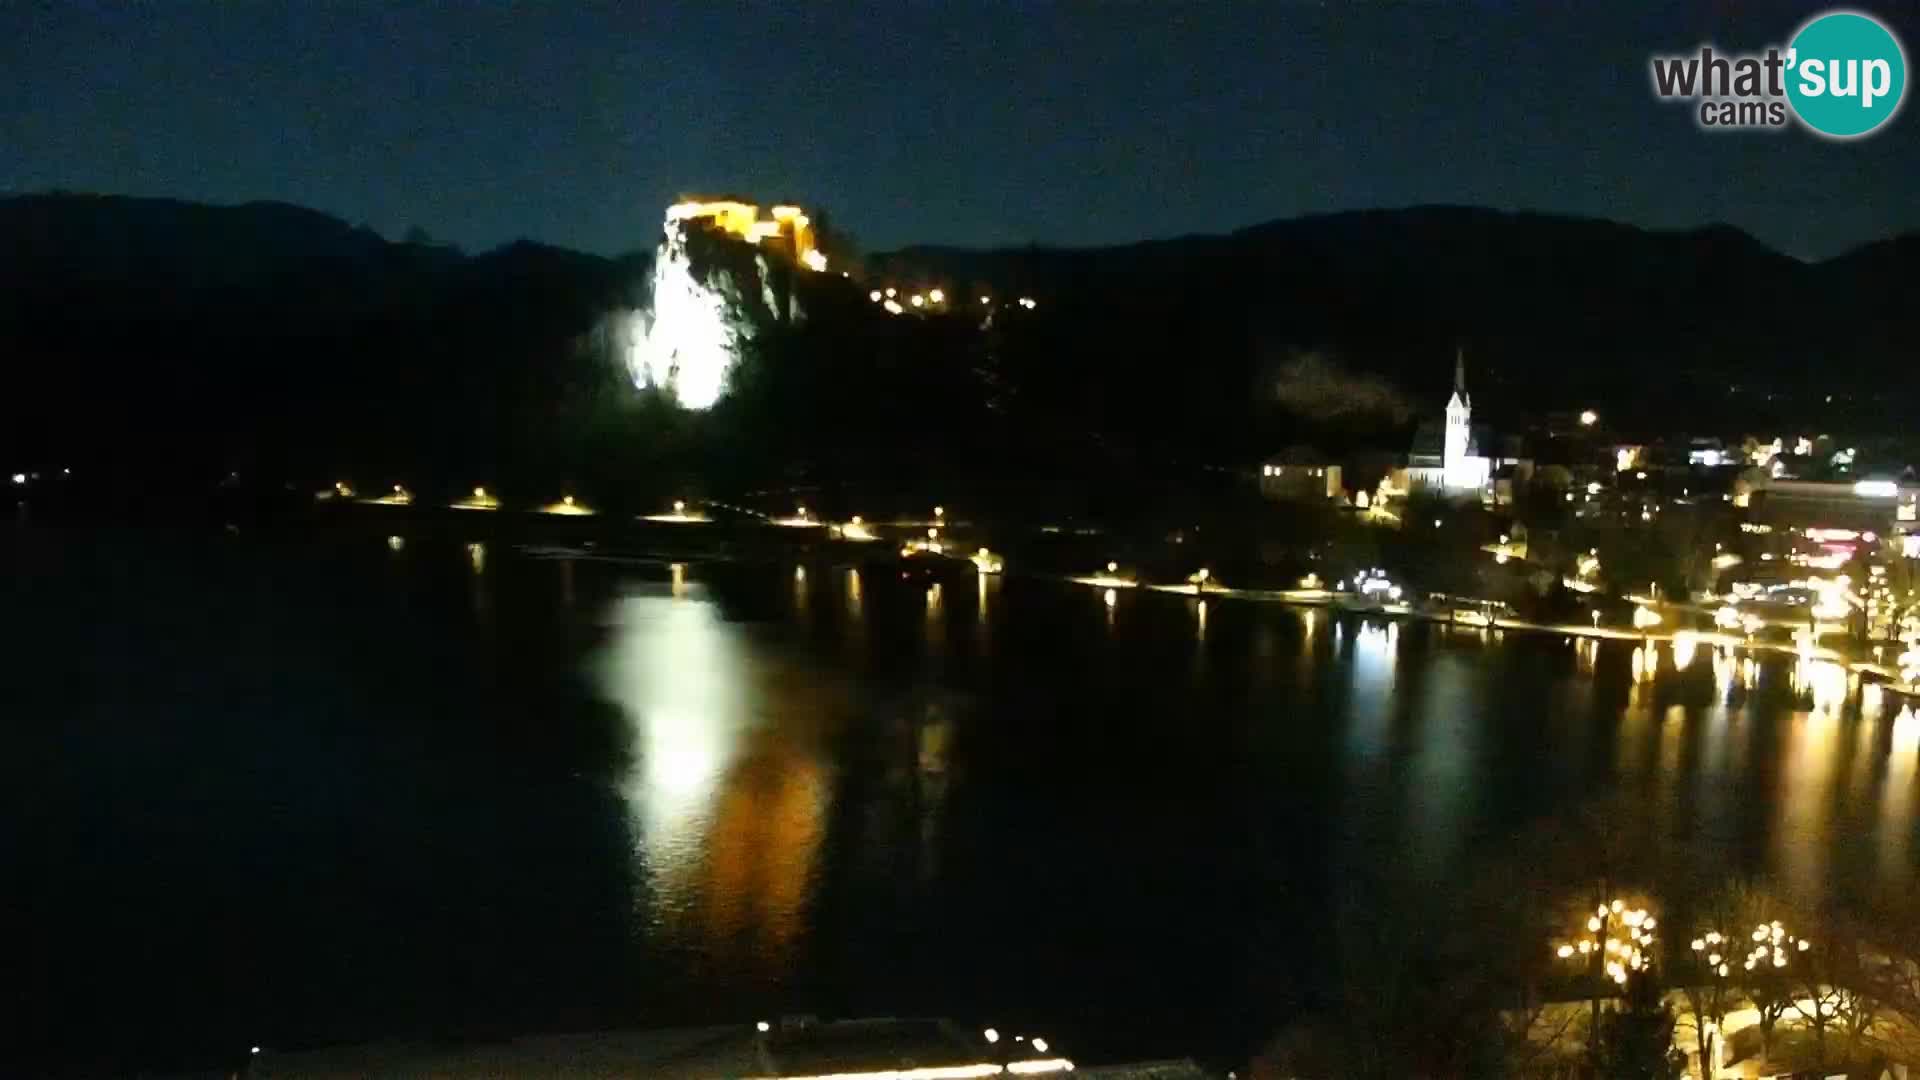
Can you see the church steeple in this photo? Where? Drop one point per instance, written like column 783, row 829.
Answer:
column 1458, row 446
column 1461, row 399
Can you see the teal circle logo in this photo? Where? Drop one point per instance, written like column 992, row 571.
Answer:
column 1846, row 74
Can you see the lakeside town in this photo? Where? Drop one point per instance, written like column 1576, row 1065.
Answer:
column 1794, row 542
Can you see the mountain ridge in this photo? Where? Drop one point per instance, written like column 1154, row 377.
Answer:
column 156, row 322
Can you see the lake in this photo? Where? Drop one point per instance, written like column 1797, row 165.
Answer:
column 289, row 789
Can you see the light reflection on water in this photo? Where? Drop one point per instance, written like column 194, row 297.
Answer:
column 1896, row 797
column 1683, row 648
column 1781, row 764
column 1443, row 775
column 1803, row 810
column 737, row 794
column 727, row 809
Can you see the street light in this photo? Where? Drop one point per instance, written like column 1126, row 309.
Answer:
column 1617, row 945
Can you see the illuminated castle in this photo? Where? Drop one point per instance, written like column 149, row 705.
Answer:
column 711, row 293
column 787, row 227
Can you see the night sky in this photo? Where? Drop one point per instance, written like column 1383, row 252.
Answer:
column 966, row 123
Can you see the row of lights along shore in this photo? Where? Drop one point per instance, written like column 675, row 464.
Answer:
column 1038, row 1065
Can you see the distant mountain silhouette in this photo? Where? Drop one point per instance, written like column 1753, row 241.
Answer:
column 269, row 336
column 1659, row 328
column 214, row 338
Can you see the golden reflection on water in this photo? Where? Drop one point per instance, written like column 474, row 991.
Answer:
column 936, row 604
column 1683, row 649
column 1645, row 664
column 1726, row 668
column 1802, row 808
column 1896, row 798
column 930, row 774
column 478, row 590
column 1822, row 683
column 1585, row 652
column 728, row 808
column 1668, row 773
column 987, row 591
column 1811, row 754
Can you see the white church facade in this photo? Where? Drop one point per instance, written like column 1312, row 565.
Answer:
column 1449, row 460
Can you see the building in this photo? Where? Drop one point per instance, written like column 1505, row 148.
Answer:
column 1300, row 473
column 1448, row 459
column 786, row 228
column 1874, row 506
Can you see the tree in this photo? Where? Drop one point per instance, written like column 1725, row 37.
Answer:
column 1706, row 986
column 1637, row 1040
column 1834, row 992
column 1727, row 961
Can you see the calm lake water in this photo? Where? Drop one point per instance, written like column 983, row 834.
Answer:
column 280, row 790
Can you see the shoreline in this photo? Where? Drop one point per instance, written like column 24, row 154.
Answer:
column 1336, row 601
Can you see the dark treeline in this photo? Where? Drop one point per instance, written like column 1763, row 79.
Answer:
column 153, row 344
column 167, row 345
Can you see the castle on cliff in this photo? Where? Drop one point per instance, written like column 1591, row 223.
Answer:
column 785, row 228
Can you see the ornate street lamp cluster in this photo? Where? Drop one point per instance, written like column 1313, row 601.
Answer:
column 1622, row 937
column 1770, row 946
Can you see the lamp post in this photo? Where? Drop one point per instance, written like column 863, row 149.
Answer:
column 1772, row 949
column 1617, row 945
column 1709, row 993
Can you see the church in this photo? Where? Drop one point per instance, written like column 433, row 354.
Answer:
column 1449, row 459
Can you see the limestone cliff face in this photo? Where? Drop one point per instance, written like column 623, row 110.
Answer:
column 710, row 293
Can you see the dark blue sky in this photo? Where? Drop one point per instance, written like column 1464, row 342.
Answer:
column 957, row 122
